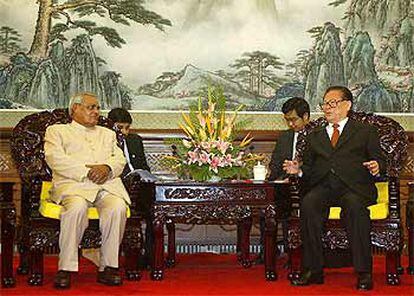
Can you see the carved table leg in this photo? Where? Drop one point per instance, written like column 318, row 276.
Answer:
column 245, row 228
column 36, row 268
column 238, row 241
column 270, row 244
column 170, row 262
column 8, row 223
column 393, row 277
column 157, row 269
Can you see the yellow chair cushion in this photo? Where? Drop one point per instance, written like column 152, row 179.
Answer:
column 52, row 210
column 377, row 211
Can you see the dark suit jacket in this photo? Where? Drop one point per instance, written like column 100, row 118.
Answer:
column 136, row 153
column 282, row 151
column 357, row 143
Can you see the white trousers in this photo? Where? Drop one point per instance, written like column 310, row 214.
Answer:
column 74, row 221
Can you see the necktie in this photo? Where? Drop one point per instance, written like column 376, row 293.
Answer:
column 335, row 134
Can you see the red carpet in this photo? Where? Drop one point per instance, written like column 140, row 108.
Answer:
column 210, row 274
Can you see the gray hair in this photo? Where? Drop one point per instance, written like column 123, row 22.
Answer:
column 78, row 99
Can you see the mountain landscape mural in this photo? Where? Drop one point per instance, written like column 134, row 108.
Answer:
column 162, row 54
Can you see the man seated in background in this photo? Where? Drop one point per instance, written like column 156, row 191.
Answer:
column 296, row 113
column 136, row 163
column 86, row 163
column 340, row 163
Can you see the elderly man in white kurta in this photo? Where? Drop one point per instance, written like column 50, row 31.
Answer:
column 86, row 164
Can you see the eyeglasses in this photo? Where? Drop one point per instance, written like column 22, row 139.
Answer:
column 331, row 104
column 91, row 107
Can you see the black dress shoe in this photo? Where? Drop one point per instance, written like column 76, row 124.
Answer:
column 62, row 279
column 110, row 277
column 308, row 278
column 364, row 282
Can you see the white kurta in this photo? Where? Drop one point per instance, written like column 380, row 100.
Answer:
column 70, row 147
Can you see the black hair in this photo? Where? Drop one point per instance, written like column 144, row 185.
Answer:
column 298, row 104
column 120, row 115
column 346, row 93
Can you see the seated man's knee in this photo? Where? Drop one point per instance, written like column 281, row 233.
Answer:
column 308, row 204
column 118, row 205
column 352, row 204
column 75, row 204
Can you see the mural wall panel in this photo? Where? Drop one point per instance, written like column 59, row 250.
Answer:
column 160, row 54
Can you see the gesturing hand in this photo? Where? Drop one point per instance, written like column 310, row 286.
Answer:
column 372, row 166
column 291, row 167
column 98, row 173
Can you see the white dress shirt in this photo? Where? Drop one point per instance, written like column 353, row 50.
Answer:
column 295, row 140
column 330, row 129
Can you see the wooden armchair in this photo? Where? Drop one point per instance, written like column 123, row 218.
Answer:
column 386, row 231
column 37, row 232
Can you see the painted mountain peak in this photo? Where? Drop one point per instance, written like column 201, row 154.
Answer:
column 370, row 50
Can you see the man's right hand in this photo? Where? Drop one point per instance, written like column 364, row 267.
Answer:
column 291, row 167
column 98, row 173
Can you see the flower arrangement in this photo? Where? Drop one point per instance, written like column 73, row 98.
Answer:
column 209, row 152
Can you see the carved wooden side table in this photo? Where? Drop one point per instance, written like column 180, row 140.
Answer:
column 410, row 227
column 220, row 203
column 8, row 224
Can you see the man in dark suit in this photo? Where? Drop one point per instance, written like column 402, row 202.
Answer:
column 296, row 113
column 136, row 163
column 134, row 149
column 340, row 163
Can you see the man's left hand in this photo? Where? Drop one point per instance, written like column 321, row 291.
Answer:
column 98, row 173
column 372, row 166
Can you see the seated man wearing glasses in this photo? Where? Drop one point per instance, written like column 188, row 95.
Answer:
column 86, row 163
column 339, row 165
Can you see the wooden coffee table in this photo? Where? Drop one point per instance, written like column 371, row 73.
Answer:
column 235, row 202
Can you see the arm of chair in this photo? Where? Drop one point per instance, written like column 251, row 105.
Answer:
column 294, row 195
column 141, row 194
column 394, row 197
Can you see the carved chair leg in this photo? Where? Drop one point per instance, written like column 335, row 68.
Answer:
column 245, row 228
column 171, row 245
column 132, row 246
column 392, row 275
column 410, row 268
column 132, row 272
column 36, row 268
column 8, row 218
column 295, row 258
column 23, row 267
column 400, row 269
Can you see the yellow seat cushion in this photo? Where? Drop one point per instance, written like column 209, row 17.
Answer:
column 377, row 211
column 52, row 210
